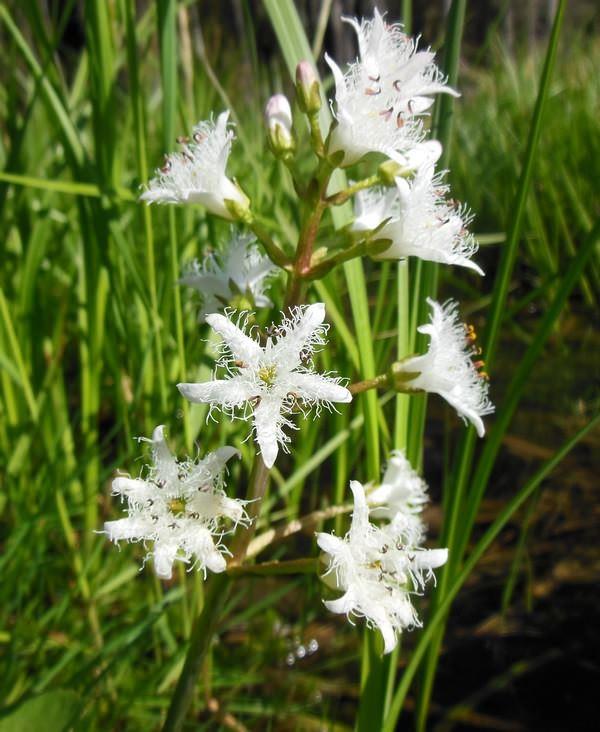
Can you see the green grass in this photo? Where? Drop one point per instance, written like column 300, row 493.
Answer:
column 94, row 334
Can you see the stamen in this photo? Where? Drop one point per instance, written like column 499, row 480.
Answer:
column 400, row 120
column 305, row 355
column 397, row 85
column 273, row 331
column 167, row 165
column 197, row 137
column 183, row 140
column 387, row 113
column 471, row 335
column 372, row 92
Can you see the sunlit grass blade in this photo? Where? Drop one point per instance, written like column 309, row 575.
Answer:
column 50, row 95
column 518, row 384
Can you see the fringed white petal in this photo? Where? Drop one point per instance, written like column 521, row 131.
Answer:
column 228, row 393
column 266, row 418
column 242, row 347
column 315, row 387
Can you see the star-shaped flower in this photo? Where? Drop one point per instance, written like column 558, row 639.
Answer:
column 180, row 507
column 448, row 368
column 378, row 569
column 271, row 380
column 378, row 99
column 240, row 271
column 419, row 219
column 197, row 173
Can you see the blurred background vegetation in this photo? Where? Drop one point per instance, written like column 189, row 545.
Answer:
column 94, row 335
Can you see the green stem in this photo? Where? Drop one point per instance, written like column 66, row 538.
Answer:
column 218, row 588
column 378, row 382
column 316, row 136
column 275, row 254
column 259, row 479
column 365, row 247
column 336, row 199
column 182, row 371
column 316, row 203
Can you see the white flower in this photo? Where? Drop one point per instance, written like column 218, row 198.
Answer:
column 377, row 569
column 272, row 379
column 421, row 222
column 240, row 270
column 401, row 491
column 179, row 506
column 197, row 173
column 447, row 368
column 379, row 97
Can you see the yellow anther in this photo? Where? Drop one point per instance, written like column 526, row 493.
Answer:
column 268, row 374
column 471, row 335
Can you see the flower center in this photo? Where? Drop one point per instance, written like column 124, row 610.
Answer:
column 268, row 374
column 176, row 506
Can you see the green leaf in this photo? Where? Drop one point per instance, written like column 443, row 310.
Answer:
column 53, row 711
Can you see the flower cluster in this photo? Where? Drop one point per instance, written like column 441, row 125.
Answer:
column 379, row 99
column 378, row 106
column 180, row 507
column 379, row 568
column 270, row 382
column 267, row 376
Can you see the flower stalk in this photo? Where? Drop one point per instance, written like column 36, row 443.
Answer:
column 337, row 199
column 218, row 588
column 216, row 596
column 316, row 204
column 259, row 480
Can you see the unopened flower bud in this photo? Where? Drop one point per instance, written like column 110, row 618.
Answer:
column 278, row 118
column 307, row 88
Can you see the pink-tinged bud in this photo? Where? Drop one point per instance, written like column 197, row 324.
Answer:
column 278, row 119
column 307, row 88
column 278, row 112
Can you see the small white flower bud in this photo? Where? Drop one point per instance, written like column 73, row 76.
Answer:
column 278, row 118
column 307, row 88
